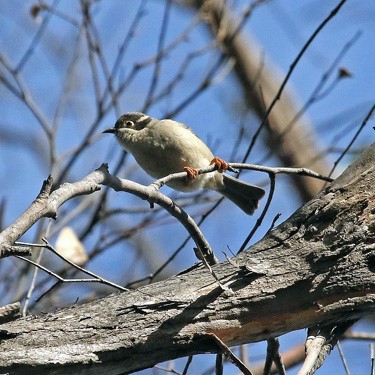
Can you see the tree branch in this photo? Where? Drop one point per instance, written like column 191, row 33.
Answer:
column 315, row 269
column 265, row 93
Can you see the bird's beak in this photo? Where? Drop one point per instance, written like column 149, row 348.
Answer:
column 110, row 130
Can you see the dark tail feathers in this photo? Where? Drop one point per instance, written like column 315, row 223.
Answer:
column 244, row 195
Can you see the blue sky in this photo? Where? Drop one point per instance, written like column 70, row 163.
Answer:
column 280, row 28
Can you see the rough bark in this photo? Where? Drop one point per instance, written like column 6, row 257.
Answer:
column 316, row 268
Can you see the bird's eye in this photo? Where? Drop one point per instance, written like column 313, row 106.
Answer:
column 129, row 124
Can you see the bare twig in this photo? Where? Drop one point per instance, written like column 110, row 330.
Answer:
column 263, row 214
column 273, row 355
column 22, row 93
column 277, row 217
column 34, row 42
column 179, row 175
column 52, row 9
column 200, row 255
column 271, row 172
column 343, row 359
column 291, row 358
column 157, row 65
column 154, row 196
column 230, row 355
column 294, row 64
column 219, row 368
column 202, row 86
column 284, row 170
column 317, row 93
column 354, row 335
column 98, row 278
column 32, row 283
column 364, row 122
column 61, row 279
column 47, row 203
column 187, row 365
column 124, row 45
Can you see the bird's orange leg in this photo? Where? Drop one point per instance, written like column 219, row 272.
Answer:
column 192, row 173
column 220, row 164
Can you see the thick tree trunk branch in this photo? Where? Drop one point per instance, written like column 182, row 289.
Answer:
column 316, row 268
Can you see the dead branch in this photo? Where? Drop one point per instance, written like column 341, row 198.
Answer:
column 313, row 270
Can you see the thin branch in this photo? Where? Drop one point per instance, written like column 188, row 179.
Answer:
column 231, row 356
column 187, row 365
column 179, row 76
column 123, row 47
column 263, row 214
column 97, row 279
column 92, row 47
column 30, row 50
column 199, row 254
column 157, row 65
column 47, row 204
column 343, row 359
column 205, row 83
column 32, row 283
column 278, row 170
column 219, row 364
column 317, row 93
column 46, row 7
column 291, row 358
column 100, row 279
column 364, row 122
column 23, row 94
column 277, row 217
column 292, row 67
column 271, row 172
column 273, row 355
column 359, row 335
column 152, row 194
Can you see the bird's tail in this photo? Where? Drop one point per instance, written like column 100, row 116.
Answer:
column 244, row 195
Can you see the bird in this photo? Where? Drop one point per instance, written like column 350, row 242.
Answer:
column 163, row 147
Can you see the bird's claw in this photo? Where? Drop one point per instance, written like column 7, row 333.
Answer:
column 221, row 164
column 192, row 173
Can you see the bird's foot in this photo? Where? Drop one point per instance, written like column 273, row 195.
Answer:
column 192, row 173
column 221, row 164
